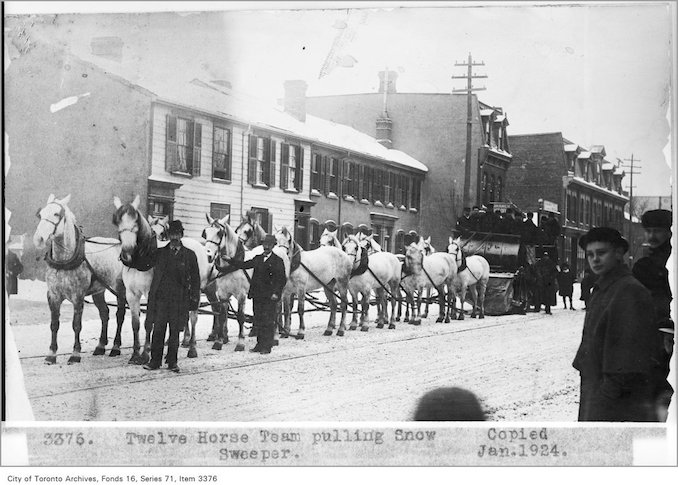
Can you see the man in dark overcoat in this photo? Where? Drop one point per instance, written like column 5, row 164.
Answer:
column 651, row 271
column 175, row 290
column 13, row 269
column 618, row 343
column 268, row 281
column 547, row 274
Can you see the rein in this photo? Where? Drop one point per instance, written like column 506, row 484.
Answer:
column 145, row 254
column 75, row 260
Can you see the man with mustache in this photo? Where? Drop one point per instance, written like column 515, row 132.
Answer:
column 618, row 347
column 651, row 271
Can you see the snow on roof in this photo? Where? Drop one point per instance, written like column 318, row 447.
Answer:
column 500, row 118
column 607, row 165
column 584, row 155
column 486, row 112
column 571, row 147
column 618, row 171
column 581, row 180
column 598, row 149
column 219, row 100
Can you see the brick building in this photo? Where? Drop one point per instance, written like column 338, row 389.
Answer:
column 580, row 186
column 431, row 127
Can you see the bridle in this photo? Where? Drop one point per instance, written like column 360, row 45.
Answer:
column 60, row 216
column 162, row 236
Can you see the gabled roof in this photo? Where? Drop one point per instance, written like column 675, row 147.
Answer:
column 571, row 147
column 607, row 165
column 598, row 149
column 486, row 112
column 584, row 154
column 219, row 100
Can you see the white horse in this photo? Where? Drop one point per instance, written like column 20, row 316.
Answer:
column 160, row 226
column 78, row 267
column 326, row 267
column 139, row 245
column 437, row 270
column 474, row 273
column 380, row 272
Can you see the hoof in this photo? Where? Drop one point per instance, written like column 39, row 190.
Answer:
column 75, row 359
column 186, row 344
column 284, row 335
column 114, row 353
column 192, row 353
column 299, row 336
column 416, row 322
column 397, row 319
column 275, row 343
column 447, row 319
column 406, row 319
column 99, row 351
column 481, row 316
column 239, row 348
column 353, row 327
column 211, row 337
column 327, row 333
column 439, row 320
column 391, row 326
column 364, row 329
column 217, row 346
column 340, row 333
column 460, row 317
column 380, row 325
column 473, row 316
column 50, row 359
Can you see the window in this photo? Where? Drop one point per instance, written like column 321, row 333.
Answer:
column 406, row 191
column 316, row 173
column 484, row 187
column 498, row 190
column 388, row 188
column 349, row 180
column 333, row 175
column 491, row 190
column 183, row 145
column 221, row 154
column 400, row 242
column 261, row 165
column 291, row 167
column 377, row 186
column 367, row 182
column 262, row 217
column 416, row 192
column 161, row 199
column 219, row 211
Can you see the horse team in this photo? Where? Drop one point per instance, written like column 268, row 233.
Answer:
column 79, row 266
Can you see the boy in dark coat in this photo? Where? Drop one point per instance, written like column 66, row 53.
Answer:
column 266, row 288
column 175, row 290
column 566, row 284
column 618, row 343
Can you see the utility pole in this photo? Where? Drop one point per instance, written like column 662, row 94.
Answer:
column 469, row 124
column 631, row 187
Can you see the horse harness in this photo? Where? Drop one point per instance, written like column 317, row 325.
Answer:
column 78, row 254
column 463, row 266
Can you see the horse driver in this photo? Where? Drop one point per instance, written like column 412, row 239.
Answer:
column 266, row 287
column 651, row 271
column 175, row 290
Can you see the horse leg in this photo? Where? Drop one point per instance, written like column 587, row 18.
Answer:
column 381, row 304
column 288, row 304
column 100, row 303
column 78, row 306
column 301, row 300
column 192, row 351
column 428, row 299
column 120, row 319
column 210, row 292
column 474, row 296
column 54, row 310
column 441, row 303
column 222, row 328
column 135, row 308
column 391, row 321
column 355, row 302
column 331, row 323
column 364, row 315
column 416, row 306
column 240, row 346
column 481, row 299
column 462, row 299
column 276, row 323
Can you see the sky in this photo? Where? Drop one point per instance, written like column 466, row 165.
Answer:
column 600, row 73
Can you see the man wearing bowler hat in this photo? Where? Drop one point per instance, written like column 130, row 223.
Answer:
column 618, row 345
column 175, row 290
column 651, row 271
column 266, row 288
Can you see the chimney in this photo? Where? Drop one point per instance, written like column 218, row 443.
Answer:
column 388, row 81
column 384, row 130
column 295, row 98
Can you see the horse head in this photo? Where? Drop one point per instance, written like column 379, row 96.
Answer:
column 353, row 247
column 250, row 232
column 426, row 244
column 454, row 248
column 133, row 228
column 285, row 240
column 220, row 239
column 414, row 257
column 52, row 220
column 159, row 226
column 329, row 238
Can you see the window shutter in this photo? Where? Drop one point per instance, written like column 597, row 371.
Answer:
column 171, row 143
column 284, row 164
column 252, row 163
column 271, row 165
column 326, row 178
column 197, row 147
column 267, row 164
column 299, row 183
